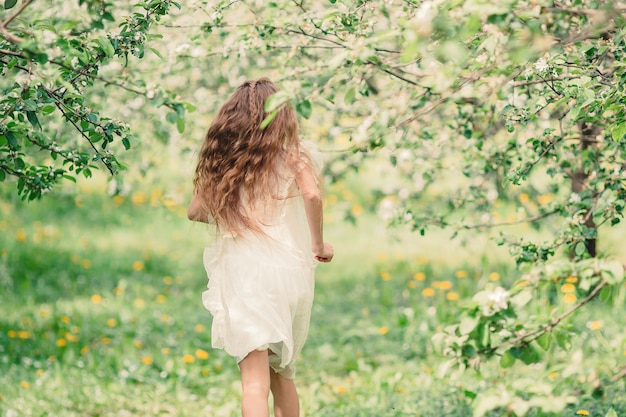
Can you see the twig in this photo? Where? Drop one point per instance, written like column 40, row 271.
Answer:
column 510, row 223
column 3, row 26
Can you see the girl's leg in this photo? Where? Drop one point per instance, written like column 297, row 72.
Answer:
column 286, row 403
column 255, row 383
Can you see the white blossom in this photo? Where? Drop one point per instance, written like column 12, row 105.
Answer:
column 498, row 299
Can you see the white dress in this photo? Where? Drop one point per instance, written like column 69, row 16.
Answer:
column 260, row 289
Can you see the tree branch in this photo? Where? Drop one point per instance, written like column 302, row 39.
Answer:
column 3, row 26
column 527, row 338
column 510, row 223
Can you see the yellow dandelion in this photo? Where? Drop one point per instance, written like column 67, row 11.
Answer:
column 553, row 375
column 341, row 390
column 75, row 329
column 523, row 283
column 411, row 284
column 384, row 275
column 12, row 334
column 71, row 337
column 23, row 334
column 165, row 318
column 170, row 204
column 138, row 266
column 105, row 340
column 419, row 276
column 24, row 384
column 544, row 199
column 111, row 322
column 582, row 412
column 61, row 342
column 138, row 198
column 160, row 298
column 20, row 235
column 137, row 344
column 383, row 330
column 494, row 276
column 84, row 350
column 146, row 360
column 347, row 194
column 202, row 354
column 166, row 351
column 572, row 279
column 452, row 296
column 217, row 368
column 66, row 319
column 428, row 292
column 461, row 273
column 357, row 210
column 96, row 299
column 365, row 311
column 139, row 303
column 205, row 372
column 199, row 328
column 595, row 325
column 118, row 200
column 331, row 199
column 523, row 198
column 168, row 280
column 568, row 288
column 188, row 359
column 43, row 313
column 444, row 285
column 569, row 298
column 86, row 263
column 40, row 372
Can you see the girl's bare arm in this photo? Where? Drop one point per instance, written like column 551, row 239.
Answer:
column 313, row 208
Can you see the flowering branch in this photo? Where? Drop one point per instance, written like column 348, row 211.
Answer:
column 527, row 338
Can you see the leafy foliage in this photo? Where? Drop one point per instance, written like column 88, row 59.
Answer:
column 50, row 65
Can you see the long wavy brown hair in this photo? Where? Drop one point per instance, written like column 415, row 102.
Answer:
column 237, row 165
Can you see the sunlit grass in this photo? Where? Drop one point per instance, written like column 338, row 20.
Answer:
column 101, row 313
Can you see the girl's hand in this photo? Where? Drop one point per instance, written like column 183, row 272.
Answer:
column 326, row 254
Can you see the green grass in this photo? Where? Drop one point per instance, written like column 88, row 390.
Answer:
column 101, row 316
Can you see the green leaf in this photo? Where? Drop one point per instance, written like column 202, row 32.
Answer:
column 274, row 101
column 47, row 109
column 11, row 140
column 32, row 118
column 304, row 109
column 171, row 117
column 126, row 143
column 612, row 272
column 618, row 131
column 350, row 96
column 9, row 4
column 157, row 53
column 468, row 324
column 268, row 119
column 611, row 413
column 180, row 125
column 3, row 175
column 507, row 360
column 545, row 340
column 106, row 45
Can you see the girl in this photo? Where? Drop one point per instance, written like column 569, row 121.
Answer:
column 260, row 187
